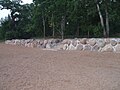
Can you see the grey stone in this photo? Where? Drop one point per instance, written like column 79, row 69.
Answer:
column 118, row 41
column 71, row 47
column 41, row 42
column 95, row 48
column 113, row 42
column 65, row 47
column 48, row 46
column 74, row 43
column 92, row 41
column 45, row 42
column 117, row 48
column 83, row 41
column 7, row 41
column 87, row 48
column 57, row 40
column 101, row 43
column 107, row 40
column 79, row 47
column 65, row 41
column 107, row 48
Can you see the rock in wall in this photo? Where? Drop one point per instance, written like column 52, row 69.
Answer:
column 81, row 44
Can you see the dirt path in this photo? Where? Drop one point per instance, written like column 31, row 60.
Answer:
column 34, row 69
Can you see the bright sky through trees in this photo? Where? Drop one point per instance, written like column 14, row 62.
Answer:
column 4, row 13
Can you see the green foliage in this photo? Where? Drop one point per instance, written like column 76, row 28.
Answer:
column 10, row 35
column 45, row 17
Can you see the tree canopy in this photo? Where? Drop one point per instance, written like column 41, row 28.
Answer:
column 60, row 19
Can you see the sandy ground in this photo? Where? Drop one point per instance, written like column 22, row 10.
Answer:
column 34, row 69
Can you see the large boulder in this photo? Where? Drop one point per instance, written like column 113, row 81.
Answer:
column 45, row 42
column 71, row 47
column 117, row 48
column 74, row 43
column 42, row 42
column 95, row 48
column 107, row 48
column 101, row 43
column 16, row 42
column 34, row 43
column 87, row 48
column 79, row 47
column 66, row 41
column 113, row 42
column 22, row 42
column 8, row 42
column 48, row 46
column 107, row 40
column 92, row 41
column 118, row 41
column 57, row 40
column 83, row 41
column 65, row 47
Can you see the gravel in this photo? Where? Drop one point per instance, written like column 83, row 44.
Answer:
column 23, row 68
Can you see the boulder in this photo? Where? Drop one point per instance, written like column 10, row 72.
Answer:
column 34, row 43
column 71, row 47
column 95, row 48
column 117, row 48
column 41, row 42
column 48, row 46
column 113, row 42
column 92, row 41
column 7, row 41
column 22, row 42
column 65, row 47
column 83, row 41
column 101, row 43
column 45, row 42
column 74, row 43
column 107, row 40
column 87, row 48
column 57, row 40
column 65, row 41
column 79, row 47
column 53, row 45
column 16, row 42
column 51, row 41
column 118, row 41
column 107, row 48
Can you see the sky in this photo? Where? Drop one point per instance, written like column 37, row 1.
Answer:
column 4, row 13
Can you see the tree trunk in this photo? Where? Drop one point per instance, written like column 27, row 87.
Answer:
column 62, row 27
column 53, row 26
column 44, row 28
column 88, row 33
column 101, row 20
column 107, row 20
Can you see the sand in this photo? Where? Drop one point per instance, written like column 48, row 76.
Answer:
column 35, row 69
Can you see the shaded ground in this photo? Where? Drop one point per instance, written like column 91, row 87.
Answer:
column 34, row 69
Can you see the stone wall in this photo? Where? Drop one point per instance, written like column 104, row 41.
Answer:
column 83, row 44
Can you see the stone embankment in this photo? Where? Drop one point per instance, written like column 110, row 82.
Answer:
column 83, row 44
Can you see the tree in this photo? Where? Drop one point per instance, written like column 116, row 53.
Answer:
column 106, row 5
